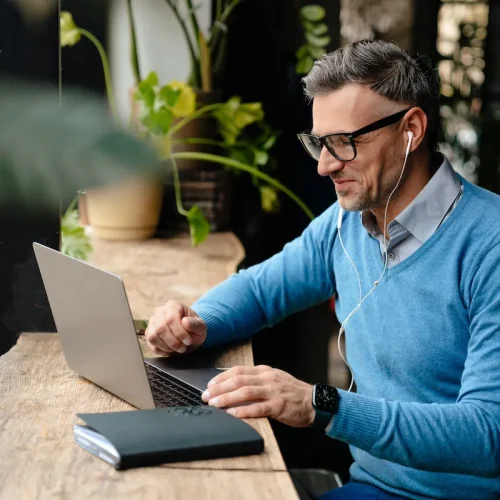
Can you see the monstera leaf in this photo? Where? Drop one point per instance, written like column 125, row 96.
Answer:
column 49, row 151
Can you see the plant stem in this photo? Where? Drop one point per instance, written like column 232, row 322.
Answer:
column 205, row 109
column 133, row 44
column 177, row 188
column 194, row 20
column 228, row 10
column 217, row 41
column 194, row 58
column 216, row 28
column 105, row 67
column 218, row 10
column 247, row 168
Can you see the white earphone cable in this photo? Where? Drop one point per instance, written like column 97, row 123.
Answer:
column 356, row 309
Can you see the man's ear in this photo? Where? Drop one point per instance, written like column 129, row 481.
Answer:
column 416, row 122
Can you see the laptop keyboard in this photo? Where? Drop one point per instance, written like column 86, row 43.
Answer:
column 169, row 391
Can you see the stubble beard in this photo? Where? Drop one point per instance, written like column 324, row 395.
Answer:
column 363, row 201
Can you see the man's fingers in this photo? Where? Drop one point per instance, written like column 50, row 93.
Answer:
column 242, row 395
column 154, row 341
column 175, row 336
column 195, row 326
column 238, row 370
column 172, row 341
column 169, row 329
column 158, row 352
column 255, row 410
column 230, row 385
column 174, row 322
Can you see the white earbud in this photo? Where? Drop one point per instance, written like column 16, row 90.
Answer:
column 339, row 220
column 410, row 139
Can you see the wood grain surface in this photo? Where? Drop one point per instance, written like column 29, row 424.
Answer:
column 40, row 396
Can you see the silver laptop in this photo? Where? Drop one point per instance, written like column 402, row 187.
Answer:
column 99, row 341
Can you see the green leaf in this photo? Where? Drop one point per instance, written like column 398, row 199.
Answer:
column 308, row 26
column 268, row 137
column 304, row 65
column 145, row 95
column 234, row 116
column 316, row 52
column 303, row 51
column 159, row 122
column 199, row 226
column 269, row 199
column 152, row 79
column 260, row 157
column 164, row 119
column 320, row 29
column 74, row 242
column 318, row 41
column 270, row 141
column 170, row 95
column 313, row 12
column 68, row 31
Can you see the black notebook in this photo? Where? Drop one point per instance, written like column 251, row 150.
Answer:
column 150, row 437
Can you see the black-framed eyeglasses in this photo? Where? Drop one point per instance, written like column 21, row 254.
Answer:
column 342, row 145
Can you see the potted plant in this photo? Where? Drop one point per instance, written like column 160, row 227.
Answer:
column 158, row 106
column 208, row 59
column 130, row 209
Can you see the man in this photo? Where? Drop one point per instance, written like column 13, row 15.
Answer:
column 424, row 345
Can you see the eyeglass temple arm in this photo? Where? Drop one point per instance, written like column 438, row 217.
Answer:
column 384, row 122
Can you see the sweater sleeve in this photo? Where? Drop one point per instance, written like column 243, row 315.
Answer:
column 463, row 437
column 262, row 295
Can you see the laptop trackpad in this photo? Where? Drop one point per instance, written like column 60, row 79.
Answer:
column 195, row 377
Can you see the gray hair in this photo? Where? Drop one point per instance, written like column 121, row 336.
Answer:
column 390, row 71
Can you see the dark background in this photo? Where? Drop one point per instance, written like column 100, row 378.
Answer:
column 30, row 52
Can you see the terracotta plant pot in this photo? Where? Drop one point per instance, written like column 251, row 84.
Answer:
column 126, row 211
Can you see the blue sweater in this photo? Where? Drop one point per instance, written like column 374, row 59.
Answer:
column 424, row 347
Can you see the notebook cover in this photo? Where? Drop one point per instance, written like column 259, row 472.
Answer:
column 152, row 437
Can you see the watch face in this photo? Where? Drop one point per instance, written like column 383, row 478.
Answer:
column 326, row 398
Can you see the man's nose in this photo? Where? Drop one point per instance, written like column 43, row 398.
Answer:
column 328, row 164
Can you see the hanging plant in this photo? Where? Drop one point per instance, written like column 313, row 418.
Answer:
column 316, row 37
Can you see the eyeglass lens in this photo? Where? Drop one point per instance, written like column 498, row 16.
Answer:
column 338, row 145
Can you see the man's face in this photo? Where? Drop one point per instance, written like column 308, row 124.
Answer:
column 366, row 182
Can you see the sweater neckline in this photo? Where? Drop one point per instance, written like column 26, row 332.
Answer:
column 398, row 268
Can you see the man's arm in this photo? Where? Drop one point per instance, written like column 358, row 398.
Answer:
column 460, row 438
column 298, row 277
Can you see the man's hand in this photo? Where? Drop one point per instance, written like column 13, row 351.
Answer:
column 271, row 392
column 175, row 329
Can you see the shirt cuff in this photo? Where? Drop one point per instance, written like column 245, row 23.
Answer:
column 357, row 420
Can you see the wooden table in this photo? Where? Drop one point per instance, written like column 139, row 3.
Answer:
column 40, row 396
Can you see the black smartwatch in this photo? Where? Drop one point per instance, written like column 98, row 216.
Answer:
column 325, row 402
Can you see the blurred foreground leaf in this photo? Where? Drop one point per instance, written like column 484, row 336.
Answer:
column 48, row 152
column 74, row 241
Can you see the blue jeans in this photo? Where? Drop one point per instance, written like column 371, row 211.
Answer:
column 358, row 491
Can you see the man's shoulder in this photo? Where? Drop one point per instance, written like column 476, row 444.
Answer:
column 327, row 220
column 481, row 215
column 482, row 197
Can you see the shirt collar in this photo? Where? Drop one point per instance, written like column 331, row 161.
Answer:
column 425, row 213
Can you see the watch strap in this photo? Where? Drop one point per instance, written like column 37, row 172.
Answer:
column 322, row 419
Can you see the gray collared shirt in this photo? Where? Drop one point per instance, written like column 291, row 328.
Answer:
column 421, row 218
